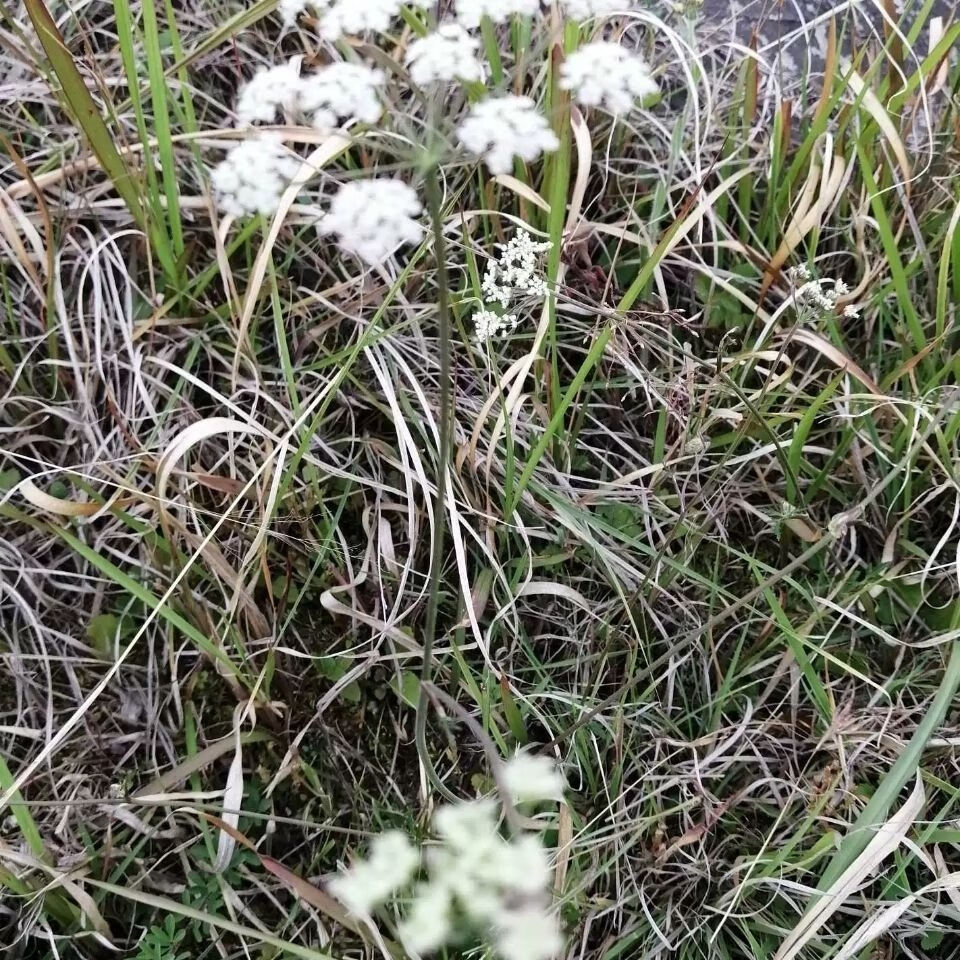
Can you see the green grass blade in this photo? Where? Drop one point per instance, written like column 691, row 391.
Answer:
column 875, row 812
column 83, row 108
column 86, row 114
column 556, row 421
column 21, row 814
column 161, row 119
column 147, row 597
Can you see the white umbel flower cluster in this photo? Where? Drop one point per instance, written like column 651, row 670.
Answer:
column 516, row 271
column 500, row 128
column 529, row 779
column 528, row 933
column 332, row 95
column 362, row 16
column 499, row 887
column 821, row 295
column 367, row 883
column 488, row 324
column 471, row 12
column 272, row 90
column 449, row 53
column 253, row 176
column 607, row 75
column 585, row 9
column 290, row 10
column 372, row 218
column 341, row 91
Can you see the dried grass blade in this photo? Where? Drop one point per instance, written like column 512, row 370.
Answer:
column 885, row 840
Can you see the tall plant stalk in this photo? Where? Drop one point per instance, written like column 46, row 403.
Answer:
column 432, row 189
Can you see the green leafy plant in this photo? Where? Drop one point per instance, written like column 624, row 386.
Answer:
column 164, row 942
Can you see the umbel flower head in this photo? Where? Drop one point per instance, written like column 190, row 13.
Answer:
column 361, row 16
column 449, row 53
column 515, row 272
column 607, row 75
column 821, row 296
column 500, row 128
column 341, row 91
column 290, row 10
column 367, row 883
column 270, row 91
column 372, row 218
column 254, row 175
column 488, row 324
column 476, row 877
column 585, row 9
column 333, row 94
column 529, row 779
column 471, row 12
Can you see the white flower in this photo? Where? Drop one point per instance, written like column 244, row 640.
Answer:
column 272, row 89
column 449, row 53
column 291, row 9
column 253, row 176
column 367, row 883
column 462, row 825
column 471, row 12
column 820, row 295
column 428, row 925
column 487, row 876
column 478, row 882
column 585, row 9
column 499, row 128
column 523, row 866
column 529, row 933
column 336, row 93
column 488, row 324
column 373, row 218
column 515, row 271
column 851, row 312
column 607, row 75
column 359, row 16
column 341, row 91
column 531, row 778
column 814, row 294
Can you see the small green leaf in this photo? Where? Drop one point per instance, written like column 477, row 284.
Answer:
column 102, row 630
column 407, row 687
column 931, row 939
column 512, row 712
column 9, row 478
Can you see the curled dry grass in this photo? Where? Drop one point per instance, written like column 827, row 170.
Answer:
column 708, row 561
